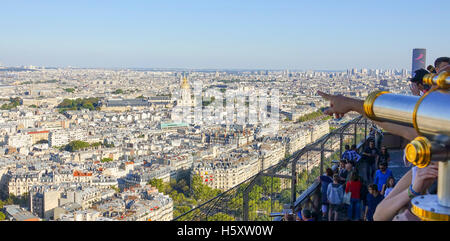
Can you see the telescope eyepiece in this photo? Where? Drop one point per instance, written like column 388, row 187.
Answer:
column 418, row 152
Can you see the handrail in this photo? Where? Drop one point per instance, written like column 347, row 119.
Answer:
column 313, row 187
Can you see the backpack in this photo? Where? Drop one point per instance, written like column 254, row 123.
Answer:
column 335, row 193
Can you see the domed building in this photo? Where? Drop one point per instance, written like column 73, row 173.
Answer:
column 183, row 111
column 186, row 99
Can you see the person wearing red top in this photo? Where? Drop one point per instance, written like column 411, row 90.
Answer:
column 354, row 186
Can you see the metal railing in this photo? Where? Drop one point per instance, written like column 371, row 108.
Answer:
column 295, row 176
column 314, row 188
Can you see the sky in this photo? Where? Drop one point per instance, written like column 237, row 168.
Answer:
column 222, row 34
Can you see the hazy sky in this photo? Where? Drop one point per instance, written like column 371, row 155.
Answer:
column 274, row 34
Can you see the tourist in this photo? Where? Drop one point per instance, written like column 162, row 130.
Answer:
column 418, row 88
column 325, row 180
column 343, row 173
column 442, row 64
column 373, row 199
column 408, row 187
column 382, row 175
column 335, row 195
column 354, row 154
column 370, row 155
column 354, row 187
column 307, row 215
column 346, row 155
column 388, row 187
column 383, row 156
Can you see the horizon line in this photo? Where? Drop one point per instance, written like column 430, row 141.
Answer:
column 198, row 69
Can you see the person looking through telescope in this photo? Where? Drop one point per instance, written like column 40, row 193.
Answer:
column 442, row 64
column 418, row 88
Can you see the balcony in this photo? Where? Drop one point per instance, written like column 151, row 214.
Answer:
column 287, row 185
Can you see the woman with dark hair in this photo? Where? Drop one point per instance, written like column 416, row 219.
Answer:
column 442, row 64
column 342, row 173
column 325, row 180
column 418, row 88
column 354, row 187
column 388, row 187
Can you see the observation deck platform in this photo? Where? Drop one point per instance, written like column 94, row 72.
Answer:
column 292, row 182
column 398, row 168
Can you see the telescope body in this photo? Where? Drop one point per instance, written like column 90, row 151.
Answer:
column 441, row 80
column 427, row 114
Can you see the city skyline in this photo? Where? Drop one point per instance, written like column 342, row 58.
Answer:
column 81, row 144
column 220, row 35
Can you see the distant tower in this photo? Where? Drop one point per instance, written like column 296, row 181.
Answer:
column 418, row 59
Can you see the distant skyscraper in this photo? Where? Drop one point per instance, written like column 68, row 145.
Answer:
column 418, row 59
column 404, row 72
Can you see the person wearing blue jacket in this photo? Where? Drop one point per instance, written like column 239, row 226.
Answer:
column 382, row 175
column 374, row 198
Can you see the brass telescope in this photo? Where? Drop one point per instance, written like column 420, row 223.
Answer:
column 429, row 115
column 441, row 80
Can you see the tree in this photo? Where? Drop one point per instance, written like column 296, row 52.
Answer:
column 76, row 145
column 202, row 192
column 285, row 196
column 310, row 116
column 2, row 216
column 180, row 210
column 107, row 159
column 267, row 185
column 8, row 201
column 22, row 200
column 87, row 105
column 221, row 217
column 252, row 208
column 302, row 182
column 115, row 189
column 118, row 91
column 158, row 183
column 255, row 193
column 13, row 103
column 78, row 104
column 181, row 186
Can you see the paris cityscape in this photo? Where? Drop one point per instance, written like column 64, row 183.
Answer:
column 90, row 144
column 221, row 111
